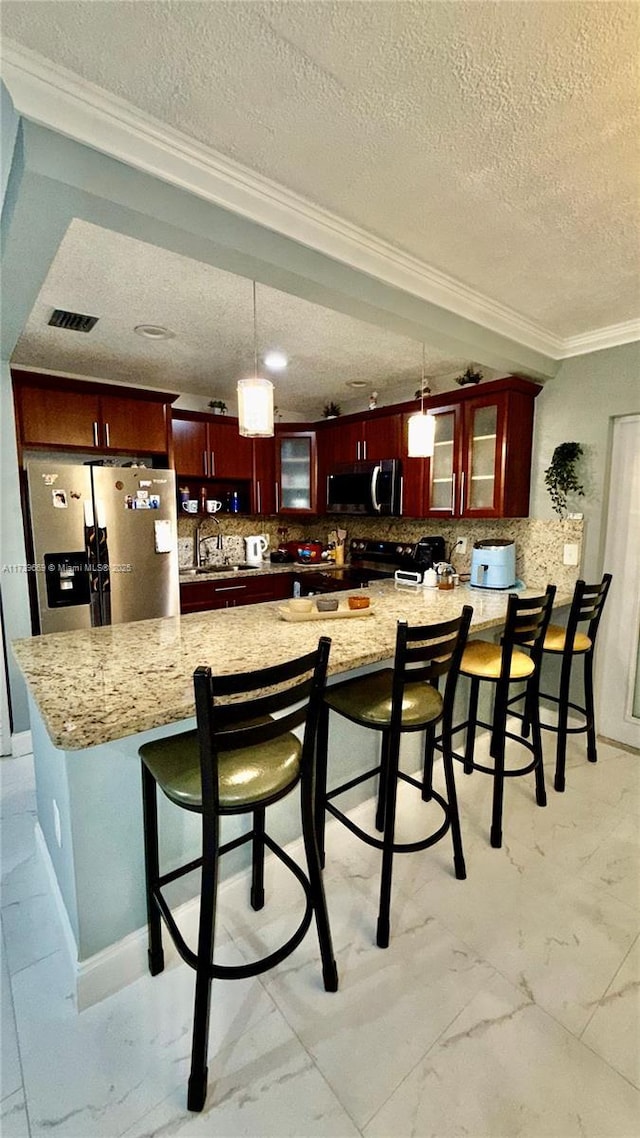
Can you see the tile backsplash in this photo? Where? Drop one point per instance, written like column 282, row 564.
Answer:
column 539, row 544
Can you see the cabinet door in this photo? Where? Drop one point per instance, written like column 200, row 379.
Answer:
column 59, row 418
column 414, row 474
column 190, row 447
column 481, row 474
column 345, row 441
column 296, row 468
column 230, row 453
column 264, row 476
column 133, row 424
column 382, row 437
column 443, row 479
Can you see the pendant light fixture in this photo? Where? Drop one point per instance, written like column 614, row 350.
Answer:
column 255, row 396
column 422, row 427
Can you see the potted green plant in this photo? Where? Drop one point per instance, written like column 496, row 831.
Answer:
column 561, row 478
column 469, row 376
column 331, row 410
column 218, row 406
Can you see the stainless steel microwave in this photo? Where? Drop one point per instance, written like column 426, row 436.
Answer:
column 366, row 488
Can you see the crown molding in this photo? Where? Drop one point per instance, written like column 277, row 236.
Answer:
column 613, row 336
column 54, row 97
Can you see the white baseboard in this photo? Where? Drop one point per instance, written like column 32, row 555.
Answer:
column 21, row 744
column 121, row 963
column 111, row 969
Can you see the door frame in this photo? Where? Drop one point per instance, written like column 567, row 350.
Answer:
column 618, row 654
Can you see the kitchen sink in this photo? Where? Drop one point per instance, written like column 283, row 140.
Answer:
column 219, row 569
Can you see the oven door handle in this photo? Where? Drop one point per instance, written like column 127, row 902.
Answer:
column 374, row 486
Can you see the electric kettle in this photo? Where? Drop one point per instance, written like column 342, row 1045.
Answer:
column 255, row 547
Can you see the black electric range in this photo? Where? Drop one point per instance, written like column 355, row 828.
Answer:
column 370, row 560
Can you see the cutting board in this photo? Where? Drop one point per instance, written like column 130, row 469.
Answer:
column 286, row 613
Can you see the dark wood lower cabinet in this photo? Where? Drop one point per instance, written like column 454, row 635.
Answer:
column 230, row 592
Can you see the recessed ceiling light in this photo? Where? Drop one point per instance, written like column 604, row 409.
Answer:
column 153, row 332
column 356, row 383
column 275, row 361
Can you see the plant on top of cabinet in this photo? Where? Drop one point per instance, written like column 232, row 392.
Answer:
column 560, row 476
column 470, row 375
column 331, row 410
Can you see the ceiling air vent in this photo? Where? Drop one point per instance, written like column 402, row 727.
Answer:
column 72, row 321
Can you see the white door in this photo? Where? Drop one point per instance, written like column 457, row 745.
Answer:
column 618, row 651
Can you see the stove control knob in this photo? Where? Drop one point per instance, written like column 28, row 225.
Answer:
column 398, row 549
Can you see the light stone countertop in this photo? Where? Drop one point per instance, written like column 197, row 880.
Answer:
column 266, row 569
column 97, row 685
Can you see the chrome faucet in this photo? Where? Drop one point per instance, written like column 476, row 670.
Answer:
column 200, row 541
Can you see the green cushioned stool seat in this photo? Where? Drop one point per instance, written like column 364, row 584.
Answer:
column 393, row 701
column 368, row 699
column 244, row 755
column 246, row 776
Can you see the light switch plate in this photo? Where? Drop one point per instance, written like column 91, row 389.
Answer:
column 570, row 553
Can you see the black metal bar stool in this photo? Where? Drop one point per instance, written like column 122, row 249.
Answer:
column 393, row 701
column 239, row 760
column 586, row 609
column 505, row 664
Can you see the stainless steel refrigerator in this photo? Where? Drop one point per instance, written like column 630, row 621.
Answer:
column 104, row 543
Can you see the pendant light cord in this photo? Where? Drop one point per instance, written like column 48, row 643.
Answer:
column 255, row 334
column 422, row 385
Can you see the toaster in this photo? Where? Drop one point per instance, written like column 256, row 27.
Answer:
column 493, row 564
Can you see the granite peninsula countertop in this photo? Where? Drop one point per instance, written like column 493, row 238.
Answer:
column 97, row 685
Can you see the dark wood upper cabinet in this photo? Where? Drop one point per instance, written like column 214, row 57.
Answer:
column 190, row 446
column 210, row 446
column 264, row 476
column 66, row 414
column 129, row 423
column 481, row 466
column 358, row 438
column 57, row 418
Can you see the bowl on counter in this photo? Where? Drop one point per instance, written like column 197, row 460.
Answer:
column 359, row 602
column 301, row 604
column 326, row 604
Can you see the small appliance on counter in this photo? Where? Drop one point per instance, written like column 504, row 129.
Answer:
column 281, row 556
column 305, row 551
column 255, row 548
column 493, row 564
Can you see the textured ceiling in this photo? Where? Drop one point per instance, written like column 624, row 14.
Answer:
column 126, row 282
column 496, row 142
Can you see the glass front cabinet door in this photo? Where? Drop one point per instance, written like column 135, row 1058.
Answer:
column 296, row 472
column 482, row 455
column 444, row 474
column 481, row 477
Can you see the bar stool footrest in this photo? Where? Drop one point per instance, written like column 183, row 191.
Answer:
column 398, row 847
column 255, row 967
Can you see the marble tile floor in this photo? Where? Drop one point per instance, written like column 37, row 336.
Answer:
column 506, row 1004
